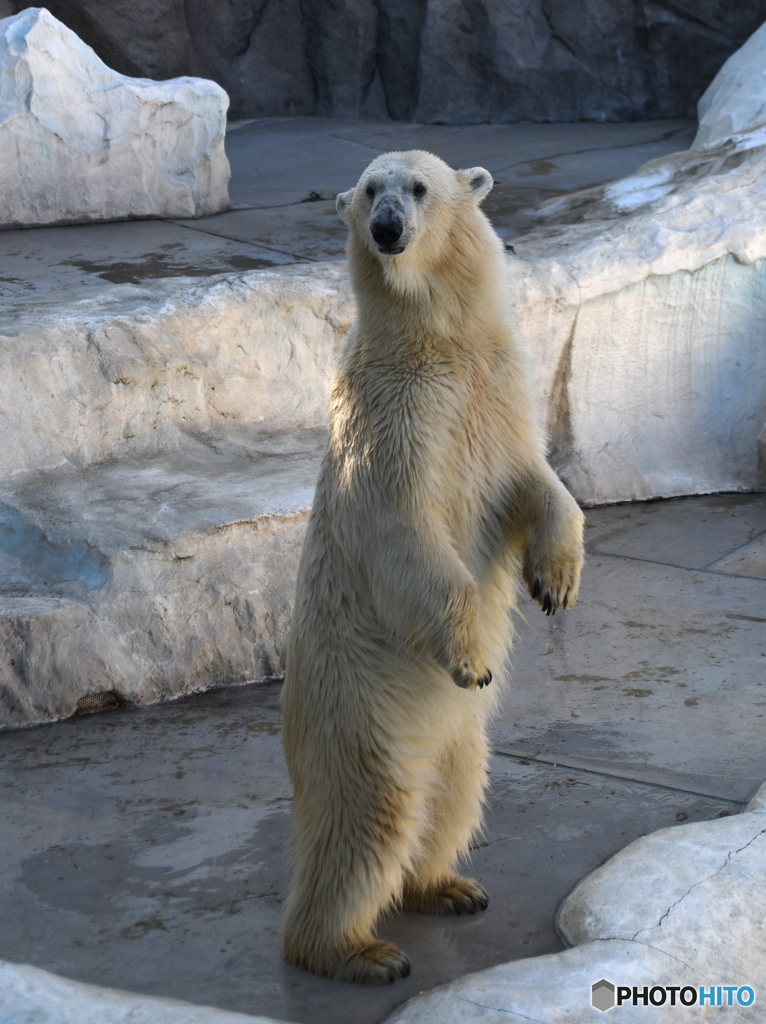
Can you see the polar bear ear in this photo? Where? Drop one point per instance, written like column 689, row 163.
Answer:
column 342, row 203
column 478, row 181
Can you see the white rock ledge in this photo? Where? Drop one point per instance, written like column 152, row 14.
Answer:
column 687, row 892
column 80, row 142
column 153, row 577
column 31, row 996
column 156, row 471
column 644, row 306
column 109, row 372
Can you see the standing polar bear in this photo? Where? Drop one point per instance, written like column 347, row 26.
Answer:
column 433, row 498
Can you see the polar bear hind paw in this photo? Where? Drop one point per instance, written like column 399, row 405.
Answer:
column 456, row 896
column 379, row 963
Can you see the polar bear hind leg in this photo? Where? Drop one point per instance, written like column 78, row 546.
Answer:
column 455, row 816
column 355, row 835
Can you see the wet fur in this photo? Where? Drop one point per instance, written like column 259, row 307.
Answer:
column 434, row 499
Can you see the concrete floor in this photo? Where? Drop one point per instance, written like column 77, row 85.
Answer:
column 144, row 849
column 285, row 176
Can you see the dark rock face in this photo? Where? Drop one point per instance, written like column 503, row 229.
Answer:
column 453, row 61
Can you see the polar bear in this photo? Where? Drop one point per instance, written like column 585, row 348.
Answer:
column 434, row 498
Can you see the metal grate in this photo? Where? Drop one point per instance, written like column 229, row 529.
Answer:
column 94, row 701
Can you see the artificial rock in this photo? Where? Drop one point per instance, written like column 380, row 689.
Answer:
column 735, row 101
column 149, row 535
column 31, row 996
column 80, row 142
column 687, row 892
column 643, row 303
column 162, row 515
column 427, row 60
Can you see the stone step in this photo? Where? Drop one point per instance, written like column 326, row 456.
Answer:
column 115, row 372
column 151, row 576
column 158, row 451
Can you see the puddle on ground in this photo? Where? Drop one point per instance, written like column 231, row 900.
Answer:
column 175, row 860
column 157, row 265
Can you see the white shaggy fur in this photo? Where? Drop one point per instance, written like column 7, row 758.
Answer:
column 434, row 497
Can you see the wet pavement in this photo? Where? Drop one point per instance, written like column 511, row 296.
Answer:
column 144, row 849
column 286, row 174
column 663, row 679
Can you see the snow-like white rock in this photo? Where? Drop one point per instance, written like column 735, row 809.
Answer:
column 154, row 576
column 643, row 303
column 682, row 906
column 31, row 996
column 694, row 893
column 79, row 142
column 156, row 472
column 735, row 101
column 119, row 370
column 556, row 989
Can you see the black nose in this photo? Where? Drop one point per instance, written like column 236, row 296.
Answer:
column 387, row 231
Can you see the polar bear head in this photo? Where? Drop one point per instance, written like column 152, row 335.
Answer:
column 410, row 210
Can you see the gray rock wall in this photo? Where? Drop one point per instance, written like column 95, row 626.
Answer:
column 427, row 60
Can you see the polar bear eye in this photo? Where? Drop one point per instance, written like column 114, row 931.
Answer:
column 370, row 192
column 419, row 190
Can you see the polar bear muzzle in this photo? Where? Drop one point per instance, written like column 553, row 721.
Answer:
column 387, row 230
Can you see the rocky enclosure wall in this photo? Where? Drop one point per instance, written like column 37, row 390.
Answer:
column 456, row 61
column 158, row 463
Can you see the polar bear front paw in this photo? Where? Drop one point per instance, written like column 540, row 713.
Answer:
column 553, row 585
column 471, row 673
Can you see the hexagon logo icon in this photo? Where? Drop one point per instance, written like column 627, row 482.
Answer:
column 602, row 995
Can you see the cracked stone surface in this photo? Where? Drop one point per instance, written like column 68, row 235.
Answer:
column 556, row 989
column 692, row 893
column 80, row 142
column 749, row 560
